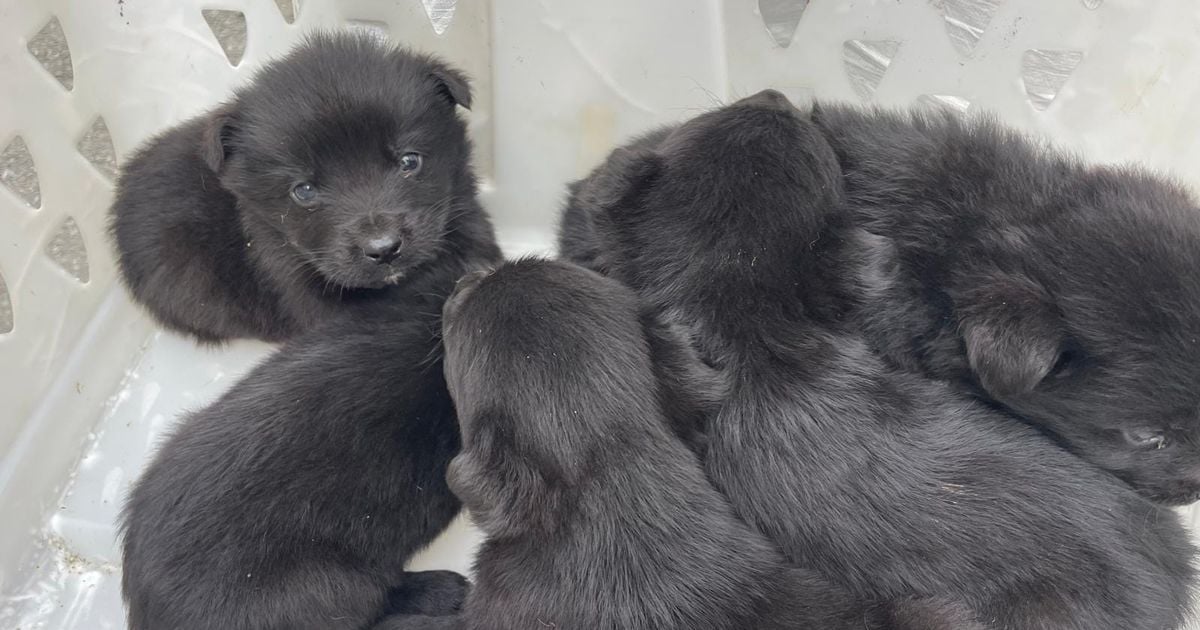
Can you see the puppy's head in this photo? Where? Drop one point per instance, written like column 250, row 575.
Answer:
column 1092, row 328
column 547, row 342
column 577, row 240
column 749, row 182
column 350, row 154
column 548, row 368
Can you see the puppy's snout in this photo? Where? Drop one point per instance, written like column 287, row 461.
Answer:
column 382, row 249
column 773, row 99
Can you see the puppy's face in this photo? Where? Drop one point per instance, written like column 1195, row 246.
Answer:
column 1100, row 343
column 351, row 155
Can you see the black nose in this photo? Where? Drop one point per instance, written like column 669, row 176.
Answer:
column 382, row 249
column 769, row 98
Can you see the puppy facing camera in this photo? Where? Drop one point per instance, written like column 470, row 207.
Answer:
column 341, row 175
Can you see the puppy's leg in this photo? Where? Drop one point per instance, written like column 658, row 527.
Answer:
column 432, row 593
column 421, row 622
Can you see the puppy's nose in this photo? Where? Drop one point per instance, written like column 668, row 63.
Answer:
column 769, row 98
column 382, row 249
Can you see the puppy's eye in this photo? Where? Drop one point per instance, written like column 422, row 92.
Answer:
column 304, row 193
column 1069, row 362
column 1146, row 438
column 410, row 163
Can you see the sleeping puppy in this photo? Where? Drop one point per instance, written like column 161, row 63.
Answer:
column 341, row 172
column 295, row 500
column 1061, row 292
column 1066, row 293
column 885, row 481
column 597, row 516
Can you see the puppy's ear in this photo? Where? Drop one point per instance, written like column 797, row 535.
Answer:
column 479, row 492
column 217, row 140
column 625, row 175
column 1012, row 333
column 505, row 494
column 452, row 83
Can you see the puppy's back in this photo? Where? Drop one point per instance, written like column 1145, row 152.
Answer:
column 297, row 496
column 597, row 515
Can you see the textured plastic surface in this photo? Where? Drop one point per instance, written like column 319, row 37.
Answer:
column 86, row 383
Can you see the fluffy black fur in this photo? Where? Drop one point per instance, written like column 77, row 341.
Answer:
column 1067, row 293
column 294, row 501
column 211, row 238
column 597, row 515
column 886, row 481
column 576, row 235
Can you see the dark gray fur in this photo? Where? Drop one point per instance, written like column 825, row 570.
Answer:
column 294, row 501
column 597, row 515
column 210, row 240
column 890, row 483
column 1068, row 293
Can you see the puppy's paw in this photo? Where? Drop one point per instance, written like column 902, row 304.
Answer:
column 432, row 593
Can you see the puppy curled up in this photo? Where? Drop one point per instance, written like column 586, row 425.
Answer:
column 596, row 515
column 1065, row 292
column 888, row 483
column 337, row 175
column 1062, row 292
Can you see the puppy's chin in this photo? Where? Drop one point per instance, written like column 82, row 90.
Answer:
column 350, row 273
column 366, row 277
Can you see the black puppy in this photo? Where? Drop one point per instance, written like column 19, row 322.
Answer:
column 1067, row 293
column 294, row 501
column 1062, row 292
column 597, row 516
column 885, row 481
column 340, row 172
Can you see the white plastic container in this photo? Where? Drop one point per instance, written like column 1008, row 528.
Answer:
column 86, row 382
